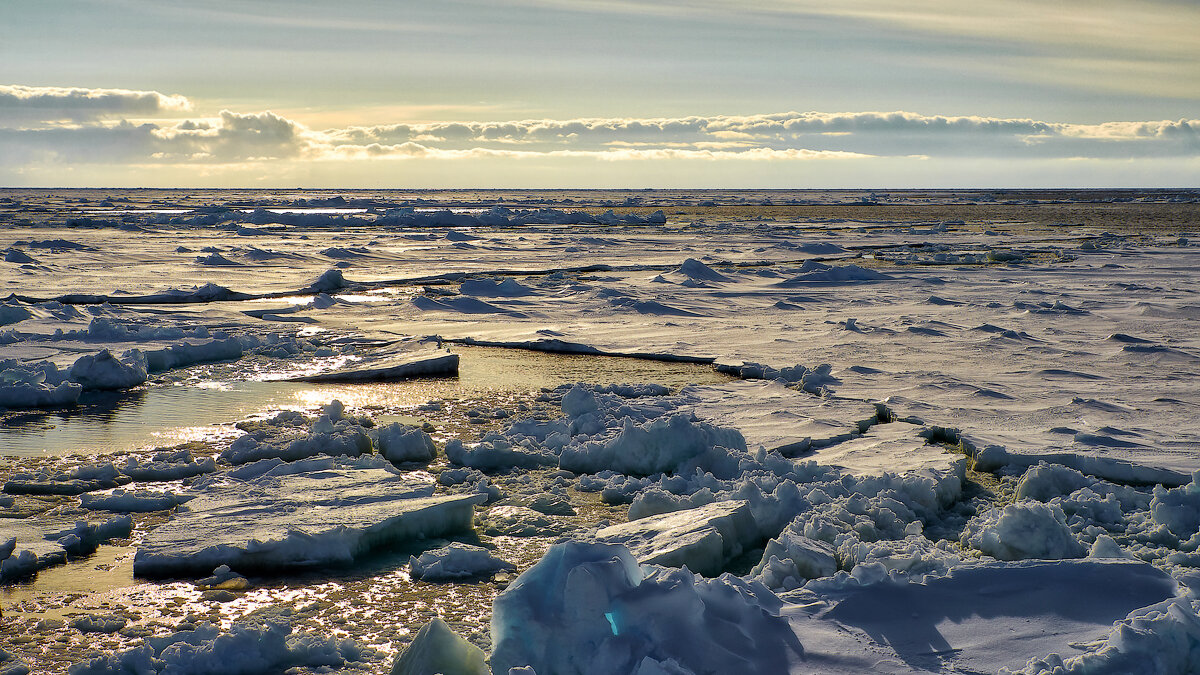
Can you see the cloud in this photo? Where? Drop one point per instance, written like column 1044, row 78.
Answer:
column 268, row 139
column 54, row 104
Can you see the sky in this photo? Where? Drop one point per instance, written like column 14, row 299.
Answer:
column 600, row 93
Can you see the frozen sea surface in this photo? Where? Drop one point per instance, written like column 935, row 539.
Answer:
column 849, row 403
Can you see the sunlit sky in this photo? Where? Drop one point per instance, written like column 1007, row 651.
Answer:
column 600, row 93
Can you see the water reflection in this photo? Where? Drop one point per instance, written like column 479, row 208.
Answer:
column 208, row 399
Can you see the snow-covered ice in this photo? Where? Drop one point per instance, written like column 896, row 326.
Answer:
column 307, row 514
column 941, row 431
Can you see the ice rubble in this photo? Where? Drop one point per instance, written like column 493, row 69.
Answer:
column 247, row 647
column 273, row 515
column 290, row 435
column 1027, row 529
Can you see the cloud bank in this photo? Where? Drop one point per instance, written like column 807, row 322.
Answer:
column 88, row 127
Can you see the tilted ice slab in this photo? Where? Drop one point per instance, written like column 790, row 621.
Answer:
column 704, row 538
column 304, row 514
column 390, row 368
column 979, row 618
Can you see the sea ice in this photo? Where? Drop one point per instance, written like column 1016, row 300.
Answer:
column 704, row 539
column 590, row 608
column 318, row 514
column 456, row 561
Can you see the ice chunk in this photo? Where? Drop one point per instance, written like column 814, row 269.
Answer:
column 456, row 561
column 1026, row 529
column 590, row 608
column 102, row 370
column 190, row 353
column 311, row 517
column 37, row 543
column 437, row 649
column 167, row 466
column 494, row 452
column 794, row 556
column 896, row 447
column 99, row 623
column 704, row 539
column 22, row 386
column 1178, row 509
column 400, row 443
column 83, row 478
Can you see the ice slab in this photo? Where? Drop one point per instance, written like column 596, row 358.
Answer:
column 390, row 368
column 895, row 447
column 777, row 418
column 979, row 618
column 704, row 538
column 31, row 544
column 317, row 517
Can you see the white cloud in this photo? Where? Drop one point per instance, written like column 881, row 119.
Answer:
column 54, row 104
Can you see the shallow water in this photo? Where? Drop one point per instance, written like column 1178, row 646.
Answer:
column 208, row 399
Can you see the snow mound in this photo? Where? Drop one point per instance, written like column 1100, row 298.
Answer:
column 215, row 259
column 980, row 618
column 330, row 280
column 698, row 271
column 812, row 272
column 590, row 608
column 509, row 288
